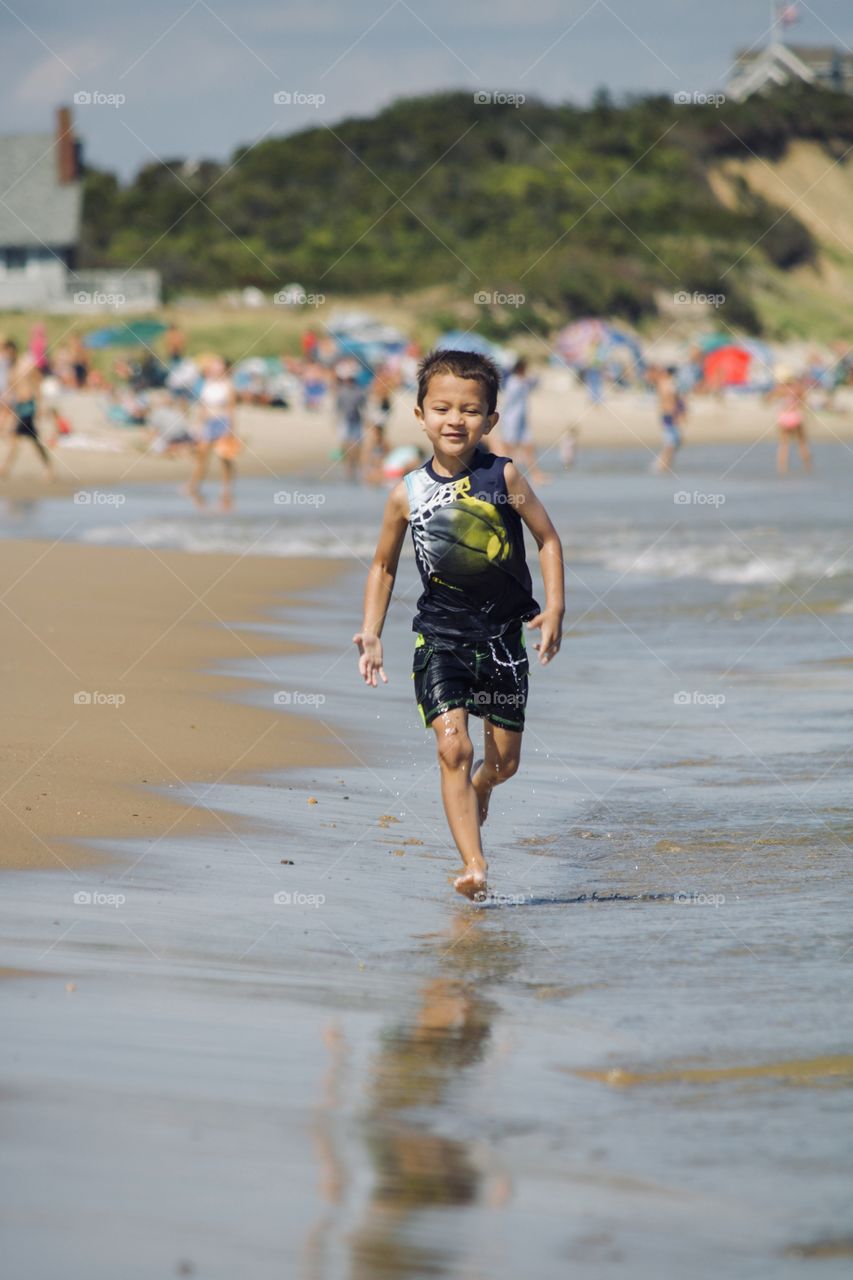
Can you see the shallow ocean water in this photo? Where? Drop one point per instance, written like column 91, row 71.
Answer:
column 370, row 1077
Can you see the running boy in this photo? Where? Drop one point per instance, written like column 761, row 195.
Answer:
column 465, row 507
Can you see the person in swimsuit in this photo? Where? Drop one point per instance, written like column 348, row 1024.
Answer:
column 673, row 410
column 514, row 428
column 465, row 508
column 217, row 405
column 791, row 422
column 21, row 403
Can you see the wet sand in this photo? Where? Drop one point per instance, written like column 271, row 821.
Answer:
column 109, row 700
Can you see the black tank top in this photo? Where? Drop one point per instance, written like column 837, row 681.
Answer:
column 469, row 548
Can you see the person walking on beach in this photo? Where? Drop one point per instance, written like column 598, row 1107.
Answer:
column 465, row 508
column 791, row 422
column 217, row 406
column 673, row 411
column 21, row 404
column 350, row 403
column 514, row 429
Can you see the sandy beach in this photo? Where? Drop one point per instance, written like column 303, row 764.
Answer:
column 106, row 667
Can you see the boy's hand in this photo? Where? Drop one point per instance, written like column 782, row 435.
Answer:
column 369, row 657
column 548, row 645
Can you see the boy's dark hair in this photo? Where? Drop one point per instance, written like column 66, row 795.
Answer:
column 463, row 364
column 10, row 345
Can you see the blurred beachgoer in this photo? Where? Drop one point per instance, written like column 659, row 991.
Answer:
column 175, row 342
column 514, row 426
column 378, row 411
column 79, row 361
column 185, row 380
column 315, row 384
column 400, row 461
column 38, row 347
column 673, row 411
column 350, row 402
column 168, row 424
column 569, row 448
column 21, row 403
column 217, row 407
column 592, row 376
column 791, row 421
column 309, row 343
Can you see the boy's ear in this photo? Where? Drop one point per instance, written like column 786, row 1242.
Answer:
column 491, row 422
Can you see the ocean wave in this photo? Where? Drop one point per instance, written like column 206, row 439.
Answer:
column 235, row 537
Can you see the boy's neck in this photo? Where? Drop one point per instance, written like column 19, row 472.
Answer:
column 452, row 466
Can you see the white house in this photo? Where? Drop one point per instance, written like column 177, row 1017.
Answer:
column 760, row 70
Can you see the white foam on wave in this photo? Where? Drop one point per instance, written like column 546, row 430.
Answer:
column 728, row 564
column 235, row 538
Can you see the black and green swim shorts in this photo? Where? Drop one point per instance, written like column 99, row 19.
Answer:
column 486, row 677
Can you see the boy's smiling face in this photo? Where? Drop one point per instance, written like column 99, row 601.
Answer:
column 455, row 416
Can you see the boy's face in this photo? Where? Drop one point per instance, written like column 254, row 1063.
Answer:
column 455, row 414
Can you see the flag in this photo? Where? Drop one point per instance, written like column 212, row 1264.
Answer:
column 787, row 14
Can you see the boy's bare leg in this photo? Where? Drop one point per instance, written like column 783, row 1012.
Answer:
column 455, row 756
column 502, row 752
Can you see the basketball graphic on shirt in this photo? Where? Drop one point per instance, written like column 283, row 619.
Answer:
column 468, row 537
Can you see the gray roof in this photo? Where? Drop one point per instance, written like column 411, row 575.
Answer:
column 34, row 207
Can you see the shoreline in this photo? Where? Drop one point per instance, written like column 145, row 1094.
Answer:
column 115, row 623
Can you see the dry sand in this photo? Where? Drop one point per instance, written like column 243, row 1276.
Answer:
column 143, row 625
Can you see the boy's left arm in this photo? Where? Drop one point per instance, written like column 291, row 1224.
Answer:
column 534, row 515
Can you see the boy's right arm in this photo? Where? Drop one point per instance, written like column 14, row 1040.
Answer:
column 380, row 585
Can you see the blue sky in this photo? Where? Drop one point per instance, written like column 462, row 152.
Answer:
column 199, row 76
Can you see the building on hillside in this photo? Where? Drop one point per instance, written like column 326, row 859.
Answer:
column 41, row 199
column 778, row 64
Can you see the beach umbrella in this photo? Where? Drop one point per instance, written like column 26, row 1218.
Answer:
column 727, row 366
column 140, row 333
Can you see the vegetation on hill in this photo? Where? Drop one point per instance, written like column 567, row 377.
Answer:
column 595, row 210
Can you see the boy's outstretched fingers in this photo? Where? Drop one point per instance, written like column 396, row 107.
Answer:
column 548, row 646
column 370, row 658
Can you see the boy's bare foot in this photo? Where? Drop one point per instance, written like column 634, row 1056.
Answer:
column 472, row 883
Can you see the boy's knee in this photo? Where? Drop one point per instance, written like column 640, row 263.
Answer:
column 502, row 769
column 455, row 750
